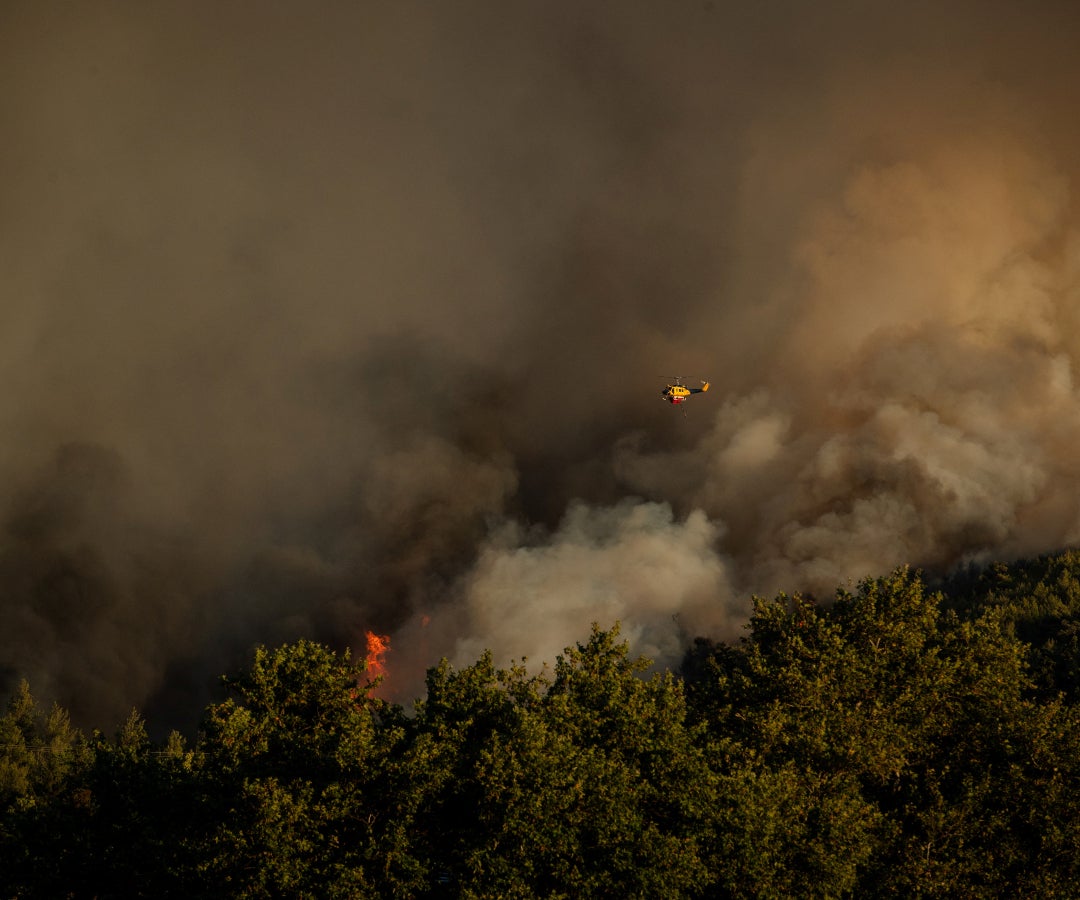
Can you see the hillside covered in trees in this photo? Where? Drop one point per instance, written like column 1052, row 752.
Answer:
column 902, row 740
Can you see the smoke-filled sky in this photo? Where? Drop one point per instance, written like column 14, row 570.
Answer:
column 326, row 317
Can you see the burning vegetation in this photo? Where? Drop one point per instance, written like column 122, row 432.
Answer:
column 378, row 646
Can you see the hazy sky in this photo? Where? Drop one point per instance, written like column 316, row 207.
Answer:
column 335, row 316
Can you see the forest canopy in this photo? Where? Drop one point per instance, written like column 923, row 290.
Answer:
column 904, row 739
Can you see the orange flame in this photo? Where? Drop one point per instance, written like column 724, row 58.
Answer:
column 378, row 645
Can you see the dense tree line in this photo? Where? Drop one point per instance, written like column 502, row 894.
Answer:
column 896, row 742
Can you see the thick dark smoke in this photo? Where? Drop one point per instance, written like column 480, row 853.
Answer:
column 354, row 316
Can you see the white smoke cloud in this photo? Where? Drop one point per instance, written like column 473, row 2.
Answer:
column 922, row 406
column 632, row 562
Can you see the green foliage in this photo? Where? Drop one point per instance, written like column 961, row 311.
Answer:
column 896, row 742
column 588, row 786
column 292, row 770
column 38, row 751
column 41, row 757
column 110, row 828
column 1040, row 599
column 914, row 722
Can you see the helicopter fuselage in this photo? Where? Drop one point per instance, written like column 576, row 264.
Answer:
column 675, row 394
column 678, row 393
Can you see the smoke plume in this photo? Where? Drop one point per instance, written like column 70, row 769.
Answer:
column 354, row 318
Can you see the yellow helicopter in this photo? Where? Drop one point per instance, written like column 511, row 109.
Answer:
column 678, row 393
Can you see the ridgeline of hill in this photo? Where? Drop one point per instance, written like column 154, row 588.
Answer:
column 900, row 741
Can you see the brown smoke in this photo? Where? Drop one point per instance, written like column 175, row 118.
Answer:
column 354, row 317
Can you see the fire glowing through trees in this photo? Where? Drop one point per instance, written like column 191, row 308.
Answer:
column 378, row 645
